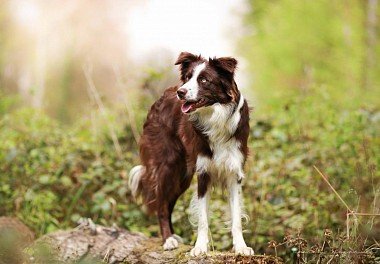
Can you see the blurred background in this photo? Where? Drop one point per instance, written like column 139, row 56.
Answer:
column 48, row 46
column 78, row 77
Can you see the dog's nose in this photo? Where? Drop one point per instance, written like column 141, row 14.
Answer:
column 181, row 93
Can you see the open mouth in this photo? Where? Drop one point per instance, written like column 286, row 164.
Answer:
column 190, row 106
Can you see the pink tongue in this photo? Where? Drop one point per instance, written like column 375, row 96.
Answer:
column 185, row 107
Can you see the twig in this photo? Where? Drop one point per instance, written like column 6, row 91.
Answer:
column 333, row 189
column 350, row 212
column 363, row 214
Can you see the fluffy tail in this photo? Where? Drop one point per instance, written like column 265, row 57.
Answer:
column 134, row 180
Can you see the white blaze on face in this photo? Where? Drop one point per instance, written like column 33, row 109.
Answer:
column 192, row 86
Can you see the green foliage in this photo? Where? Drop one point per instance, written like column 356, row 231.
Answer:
column 290, row 193
column 53, row 175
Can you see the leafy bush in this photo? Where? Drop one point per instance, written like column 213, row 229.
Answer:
column 51, row 175
column 289, row 194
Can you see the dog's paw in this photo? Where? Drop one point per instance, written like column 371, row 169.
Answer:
column 198, row 250
column 170, row 243
column 244, row 250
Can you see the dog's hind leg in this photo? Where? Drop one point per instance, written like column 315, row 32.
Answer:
column 164, row 213
column 166, row 199
column 164, row 219
column 171, row 208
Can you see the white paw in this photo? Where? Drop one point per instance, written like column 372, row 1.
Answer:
column 170, row 243
column 244, row 250
column 198, row 250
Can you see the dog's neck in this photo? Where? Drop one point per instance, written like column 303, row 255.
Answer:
column 218, row 121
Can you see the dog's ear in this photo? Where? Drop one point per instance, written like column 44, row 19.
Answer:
column 225, row 64
column 184, row 60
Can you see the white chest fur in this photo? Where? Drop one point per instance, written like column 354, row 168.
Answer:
column 219, row 124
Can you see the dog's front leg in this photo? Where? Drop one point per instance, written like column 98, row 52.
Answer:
column 203, row 200
column 236, row 228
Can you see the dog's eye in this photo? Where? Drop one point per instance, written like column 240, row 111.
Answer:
column 203, row 80
column 187, row 78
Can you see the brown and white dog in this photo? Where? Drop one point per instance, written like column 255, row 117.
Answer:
column 199, row 127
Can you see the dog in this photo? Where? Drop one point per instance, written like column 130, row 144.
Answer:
column 199, row 127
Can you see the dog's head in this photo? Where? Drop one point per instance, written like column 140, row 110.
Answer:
column 206, row 82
